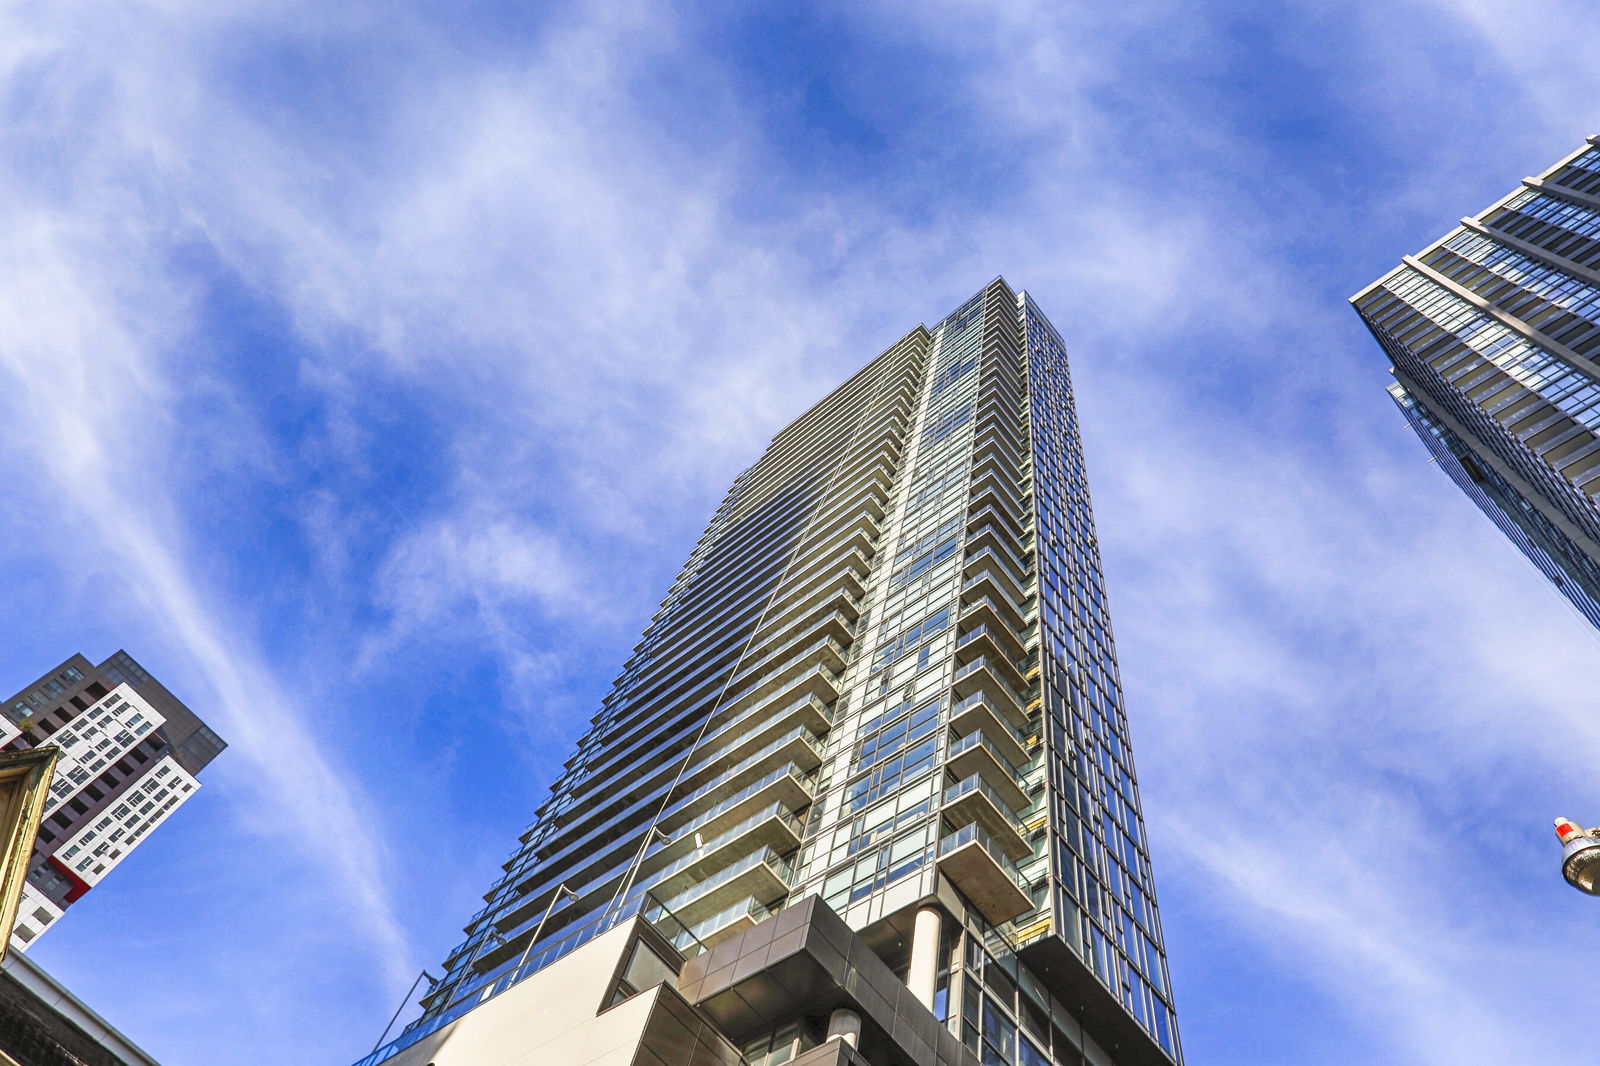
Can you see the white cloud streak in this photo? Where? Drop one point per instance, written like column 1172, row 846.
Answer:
column 529, row 244
column 91, row 327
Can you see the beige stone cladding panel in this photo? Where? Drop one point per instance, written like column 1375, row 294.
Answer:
column 549, row 1019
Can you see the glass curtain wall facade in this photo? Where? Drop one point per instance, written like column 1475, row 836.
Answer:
column 1493, row 333
column 884, row 677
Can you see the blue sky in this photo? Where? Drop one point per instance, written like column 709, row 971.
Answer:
column 367, row 371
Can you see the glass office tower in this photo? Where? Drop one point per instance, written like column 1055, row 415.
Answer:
column 885, row 678
column 1493, row 332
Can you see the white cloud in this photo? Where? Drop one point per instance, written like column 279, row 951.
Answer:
column 527, row 247
column 89, row 323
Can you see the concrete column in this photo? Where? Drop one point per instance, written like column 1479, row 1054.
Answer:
column 845, row 1024
column 923, row 980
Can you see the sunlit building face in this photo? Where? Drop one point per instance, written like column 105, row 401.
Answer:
column 885, row 683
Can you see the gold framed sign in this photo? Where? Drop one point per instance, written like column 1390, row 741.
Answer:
column 24, row 786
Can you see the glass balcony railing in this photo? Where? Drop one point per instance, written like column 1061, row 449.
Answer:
column 749, row 907
column 993, row 605
column 777, row 641
column 996, row 634
column 727, row 836
column 799, row 732
column 740, row 723
column 979, row 698
column 991, row 481
column 990, row 515
column 1003, row 595
column 974, row 784
column 784, row 642
column 780, row 866
column 1002, row 539
column 828, row 581
column 974, row 833
column 977, row 740
column 987, row 559
column 646, row 907
column 994, row 667
column 803, row 779
column 727, row 776
column 999, row 664
column 770, row 677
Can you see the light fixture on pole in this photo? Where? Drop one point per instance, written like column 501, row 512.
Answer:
column 1580, row 856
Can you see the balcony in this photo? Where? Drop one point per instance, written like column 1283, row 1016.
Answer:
column 990, row 496
column 1002, row 428
column 823, row 544
column 887, row 445
column 991, row 609
column 1000, row 408
column 774, row 827
column 1003, row 382
column 970, row 800
column 798, row 746
column 823, row 639
column 995, row 465
column 1000, row 570
column 817, row 587
column 975, row 754
column 981, row 621
column 999, row 538
column 788, row 785
column 760, row 724
column 986, row 585
column 1005, row 489
column 761, row 875
column 975, row 865
column 975, row 715
column 818, row 562
column 795, row 678
column 990, row 515
column 727, row 923
column 978, row 677
column 800, row 626
column 985, row 643
column 987, row 443
column 840, row 525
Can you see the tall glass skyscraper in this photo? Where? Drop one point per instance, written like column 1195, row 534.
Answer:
column 883, row 686
column 1493, row 332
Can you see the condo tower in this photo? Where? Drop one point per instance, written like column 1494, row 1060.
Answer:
column 864, row 792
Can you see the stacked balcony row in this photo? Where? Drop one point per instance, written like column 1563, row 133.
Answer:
column 991, row 725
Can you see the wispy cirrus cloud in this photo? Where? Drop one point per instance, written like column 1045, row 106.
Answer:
column 87, row 332
column 411, row 333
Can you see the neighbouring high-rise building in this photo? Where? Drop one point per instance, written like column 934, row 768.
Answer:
column 130, row 753
column 1493, row 332
column 867, row 774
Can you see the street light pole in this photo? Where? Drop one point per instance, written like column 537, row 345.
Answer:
column 433, row 983
column 561, row 890
column 621, row 898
